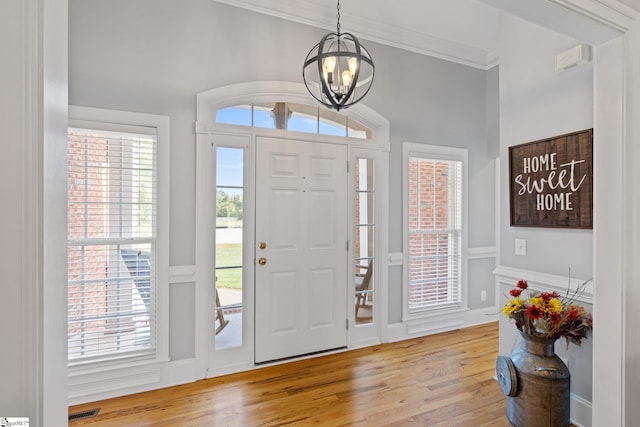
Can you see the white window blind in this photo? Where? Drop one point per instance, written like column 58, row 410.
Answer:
column 435, row 233
column 112, row 232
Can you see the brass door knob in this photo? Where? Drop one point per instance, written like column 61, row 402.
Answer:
column 262, row 261
column 262, row 245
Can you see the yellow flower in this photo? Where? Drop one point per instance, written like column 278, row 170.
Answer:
column 553, row 306
column 537, row 301
column 513, row 305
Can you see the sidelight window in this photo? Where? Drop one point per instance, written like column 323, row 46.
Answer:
column 365, row 225
column 229, row 245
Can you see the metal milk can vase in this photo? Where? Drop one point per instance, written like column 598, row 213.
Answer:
column 537, row 384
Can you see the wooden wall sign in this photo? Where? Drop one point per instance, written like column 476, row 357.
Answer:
column 552, row 182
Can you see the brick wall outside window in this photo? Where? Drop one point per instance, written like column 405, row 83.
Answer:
column 433, row 232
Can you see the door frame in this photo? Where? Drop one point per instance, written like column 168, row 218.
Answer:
column 210, row 362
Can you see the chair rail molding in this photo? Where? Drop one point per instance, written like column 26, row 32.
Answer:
column 543, row 282
column 182, row 273
column 482, row 252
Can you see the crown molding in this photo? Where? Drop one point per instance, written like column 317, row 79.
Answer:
column 590, row 21
column 420, row 43
column 310, row 13
column 611, row 13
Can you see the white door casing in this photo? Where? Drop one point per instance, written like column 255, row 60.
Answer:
column 208, row 360
column 301, row 216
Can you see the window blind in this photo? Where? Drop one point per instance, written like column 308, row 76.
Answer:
column 112, row 231
column 435, row 233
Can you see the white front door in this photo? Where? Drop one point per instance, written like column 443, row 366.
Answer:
column 301, row 248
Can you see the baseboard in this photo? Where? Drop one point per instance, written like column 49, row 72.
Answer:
column 231, row 369
column 441, row 322
column 580, row 411
column 364, row 343
column 481, row 316
column 181, row 372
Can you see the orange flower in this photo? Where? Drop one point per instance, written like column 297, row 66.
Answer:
column 573, row 313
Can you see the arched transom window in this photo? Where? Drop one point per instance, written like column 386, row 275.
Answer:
column 293, row 117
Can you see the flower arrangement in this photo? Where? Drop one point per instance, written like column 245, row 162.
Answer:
column 548, row 314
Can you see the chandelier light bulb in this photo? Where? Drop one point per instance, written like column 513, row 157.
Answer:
column 346, row 78
column 329, row 66
column 338, row 71
column 353, row 65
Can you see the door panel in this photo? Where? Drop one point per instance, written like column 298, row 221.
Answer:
column 284, row 205
column 322, row 205
column 301, row 216
column 284, row 295
column 321, row 298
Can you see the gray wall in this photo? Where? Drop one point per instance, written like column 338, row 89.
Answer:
column 493, row 112
column 535, row 103
column 154, row 56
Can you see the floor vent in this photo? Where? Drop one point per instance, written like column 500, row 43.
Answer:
column 83, row 415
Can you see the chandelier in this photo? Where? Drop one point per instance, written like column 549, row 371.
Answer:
column 338, row 71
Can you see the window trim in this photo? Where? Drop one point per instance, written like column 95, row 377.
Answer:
column 115, row 119
column 434, row 152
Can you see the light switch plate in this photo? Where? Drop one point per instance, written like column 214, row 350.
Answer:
column 521, row 247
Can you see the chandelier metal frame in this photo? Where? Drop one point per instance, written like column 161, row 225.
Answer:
column 344, row 52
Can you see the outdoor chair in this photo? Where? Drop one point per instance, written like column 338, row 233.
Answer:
column 363, row 285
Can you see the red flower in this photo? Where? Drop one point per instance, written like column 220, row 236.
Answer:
column 555, row 318
column 547, row 296
column 574, row 313
column 548, row 314
column 534, row 312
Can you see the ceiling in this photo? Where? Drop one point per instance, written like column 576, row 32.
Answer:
column 632, row 3
column 462, row 31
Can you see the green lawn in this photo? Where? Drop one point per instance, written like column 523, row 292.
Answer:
column 229, row 254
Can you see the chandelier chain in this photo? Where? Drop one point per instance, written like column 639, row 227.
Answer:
column 338, row 16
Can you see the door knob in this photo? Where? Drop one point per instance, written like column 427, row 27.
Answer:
column 262, row 261
column 262, row 245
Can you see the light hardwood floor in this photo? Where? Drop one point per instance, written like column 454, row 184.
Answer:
column 440, row 380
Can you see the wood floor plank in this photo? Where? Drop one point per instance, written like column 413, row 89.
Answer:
column 439, row 380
